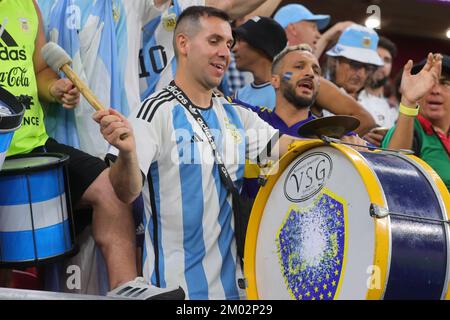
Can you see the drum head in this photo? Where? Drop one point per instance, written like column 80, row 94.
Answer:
column 32, row 162
column 316, row 239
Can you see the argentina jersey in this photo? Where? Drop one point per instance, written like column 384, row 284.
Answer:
column 156, row 57
column 258, row 95
column 189, row 224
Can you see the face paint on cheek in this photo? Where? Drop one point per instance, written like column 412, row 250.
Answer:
column 287, row 76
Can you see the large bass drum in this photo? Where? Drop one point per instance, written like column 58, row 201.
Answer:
column 334, row 223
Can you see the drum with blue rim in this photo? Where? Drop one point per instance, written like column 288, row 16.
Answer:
column 36, row 223
column 334, row 223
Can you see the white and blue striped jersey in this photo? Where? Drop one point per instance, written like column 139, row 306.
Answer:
column 156, row 57
column 189, row 237
column 262, row 95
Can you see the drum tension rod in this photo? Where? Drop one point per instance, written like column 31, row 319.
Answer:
column 380, row 213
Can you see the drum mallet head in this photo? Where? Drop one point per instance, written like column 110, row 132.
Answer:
column 55, row 56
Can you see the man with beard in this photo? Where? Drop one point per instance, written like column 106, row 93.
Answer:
column 296, row 77
column 254, row 54
column 372, row 97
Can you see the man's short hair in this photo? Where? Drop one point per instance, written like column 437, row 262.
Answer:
column 388, row 45
column 189, row 20
column 285, row 51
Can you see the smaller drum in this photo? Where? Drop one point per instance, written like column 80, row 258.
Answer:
column 11, row 114
column 36, row 223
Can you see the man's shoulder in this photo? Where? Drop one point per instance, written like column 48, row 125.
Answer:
column 158, row 100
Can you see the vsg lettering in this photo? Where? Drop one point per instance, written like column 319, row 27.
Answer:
column 308, row 176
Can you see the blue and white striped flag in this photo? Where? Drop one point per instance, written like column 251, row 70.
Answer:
column 87, row 30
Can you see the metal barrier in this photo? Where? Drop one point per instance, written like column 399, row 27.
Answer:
column 20, row 294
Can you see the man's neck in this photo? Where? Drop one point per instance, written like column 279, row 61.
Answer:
column 289, row 113
column 378, row 92
column 441, row 126
column 197, row 93
column 262, row 72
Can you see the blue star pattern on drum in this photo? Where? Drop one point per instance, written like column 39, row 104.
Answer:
column 311, row 245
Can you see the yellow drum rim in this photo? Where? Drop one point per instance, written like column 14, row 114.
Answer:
column 381, row 255
column 444, row 194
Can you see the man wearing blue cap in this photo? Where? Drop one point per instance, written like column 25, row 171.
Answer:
column 302, row 26
column 353, row 58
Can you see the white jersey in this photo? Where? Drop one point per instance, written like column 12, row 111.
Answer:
column 383, row 114
column 189, row 224
column 156, row 57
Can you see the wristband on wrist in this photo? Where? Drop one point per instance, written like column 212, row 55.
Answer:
column 407, row 111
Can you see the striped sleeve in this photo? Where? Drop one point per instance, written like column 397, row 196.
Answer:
column 149, row 124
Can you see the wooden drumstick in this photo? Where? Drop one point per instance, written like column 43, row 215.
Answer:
column 59, row 60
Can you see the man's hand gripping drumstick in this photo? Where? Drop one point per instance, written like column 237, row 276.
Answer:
column 59, row 60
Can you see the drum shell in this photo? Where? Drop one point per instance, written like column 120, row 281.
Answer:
column 36, row 222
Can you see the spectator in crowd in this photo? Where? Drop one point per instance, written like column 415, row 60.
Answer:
column 296, row 91
column 249, row 58
column 302, row 26
column 258, row 41
column 352, row 60
column 424, row 115
column 235, row 78
column 188, row 210
column 373, row 96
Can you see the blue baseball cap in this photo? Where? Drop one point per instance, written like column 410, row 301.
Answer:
column 293, row 13
column 357, row 43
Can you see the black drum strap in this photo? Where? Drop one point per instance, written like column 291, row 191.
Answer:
column 224, row 175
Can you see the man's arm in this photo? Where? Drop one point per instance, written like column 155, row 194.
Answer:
column 338, row 102
column 414, row 88
column 50, row 87
column 330, row 37
column 266, row 9
column 236, row 8
column 124, row 174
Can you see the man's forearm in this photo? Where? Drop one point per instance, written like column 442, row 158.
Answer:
column 403, row 135
column 126, row 177
column 45, row 78
column 236, row 8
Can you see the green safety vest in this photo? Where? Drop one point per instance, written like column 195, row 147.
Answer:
column 18, row 31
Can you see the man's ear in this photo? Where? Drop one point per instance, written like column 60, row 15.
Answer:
column 275, row 81
column 182, row 43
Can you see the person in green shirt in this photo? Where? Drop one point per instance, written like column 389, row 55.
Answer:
column 424, row 120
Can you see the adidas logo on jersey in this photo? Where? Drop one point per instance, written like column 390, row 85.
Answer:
column 140, row 229
column 9, row 50
column 12, row 54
